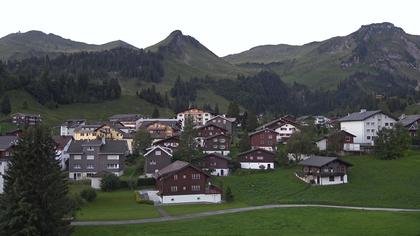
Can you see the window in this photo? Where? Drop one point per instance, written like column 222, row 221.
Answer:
column 368, row 137
column 348, row 139
column 215, row 146
column 283, row 128
column 174, row 188
column 89, row 166
column 90, row 149
column 152, row 163
column 113, row 157
column 222, row 140
column 195, row 176
column 184, row 176
column 222, row 147
column 260, row 158
column 90, row 157
column 270, row 136
column 77, row 157
column 391, row 124
column 251, row 158
column 112, row 166
column 77, row 166
column 175, row 177
column 215, row 140
column 195, row 187
column 331, row 178
column 386, row 124
column 158, row 153
column 341, row 178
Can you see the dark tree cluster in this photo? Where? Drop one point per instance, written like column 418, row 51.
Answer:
column 80, row 77
column 184, row 93
column 152, row 96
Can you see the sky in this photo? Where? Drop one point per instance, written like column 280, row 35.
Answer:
column 223, row 26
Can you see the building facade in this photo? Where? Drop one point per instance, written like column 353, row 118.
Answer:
column 264, row 138
column 320, row 170
column 259, row 159
column 199, row 117
column 155, row 159
column 216, row 164
column 219, row 143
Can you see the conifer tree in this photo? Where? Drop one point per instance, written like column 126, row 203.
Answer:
column 35, row 200
column 6, row 108
column 233, row 110
column 155, row 113
column 188, row 149
column 251, row 122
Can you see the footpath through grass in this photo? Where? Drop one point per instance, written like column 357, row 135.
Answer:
column 293, row 221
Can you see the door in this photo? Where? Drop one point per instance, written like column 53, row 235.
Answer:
column 222, row 172
column 74, row 176
column 317, row 180
column 269, row 166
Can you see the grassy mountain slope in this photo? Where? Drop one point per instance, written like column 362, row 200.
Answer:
column 323, row 64
column 36, row 43
column 187, row 57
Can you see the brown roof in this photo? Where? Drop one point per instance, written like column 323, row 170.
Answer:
column 175, row 167
column 261, row 130
column 254, row 150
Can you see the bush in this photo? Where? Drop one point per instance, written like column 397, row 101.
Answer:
column 145, row 182
column 228, row 195
column 140, row 200
column 89, row 194
column 75, row 203
column 110, row 182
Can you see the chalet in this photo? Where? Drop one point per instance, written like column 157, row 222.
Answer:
column 88, row 157
column 365, row 125
column 68, row 127
column 343, row 138
column 223, row 122
column 321, row 170
column 216, row 164
column 155, row 159
column 207, row 131
column 411, row 122
column 218, row 143
column 6, row 145
column 160, row 128
column 257, row 159
column 181, row 182
column 200, row 117
column 264, row 138
column 284, row 127
column 62, row 146
column 129, row 121
column 170, row 142
column 26, row 119
column 86, row 132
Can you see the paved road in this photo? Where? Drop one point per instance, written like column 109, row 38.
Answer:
column 233, row 210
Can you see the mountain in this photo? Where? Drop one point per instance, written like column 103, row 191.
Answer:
column 36, row 43
column 185, row 56
column 372, row 48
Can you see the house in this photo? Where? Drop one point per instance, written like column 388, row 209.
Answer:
column 223, row 122
column 86, row 132
column 366, row 124
column 16, row 132
column 160, row 128
column 284, row 127
column 68, row 127
column 207, row 131
column 258, row 158
column 129, row 121
column 88, row 157
column 26, row 119
column 344, row 138
column 218, row 143
column 216, row 164
column 200, row 117
column 264, row 138
column 6, row 145
column 181, row 182
column 155, row 159
column 411, row 122
column 170, row 142
column 62, row 146
column 322, row 170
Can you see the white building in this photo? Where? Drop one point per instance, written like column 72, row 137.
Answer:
column 366, row 124
column 6, row 145
column 68, row 127
column 283, row 126
column 199, row 116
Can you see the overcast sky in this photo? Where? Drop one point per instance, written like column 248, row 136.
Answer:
column 223, row 26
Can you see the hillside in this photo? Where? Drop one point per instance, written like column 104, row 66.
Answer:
column 185, row 56
column 36, row 43
column 323, row 64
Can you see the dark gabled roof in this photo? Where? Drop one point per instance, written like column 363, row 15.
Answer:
column 173, row 123
column 334, row 133
column 281, row 119
column 409, row 120
column 126, row 117
column 164, row 149
column 261, row 130
column 168, row 138
column 230, row 119
column 62, row 141
column 7, row 141
column 319, row 161
column 110, row 146
column 361, row 115
column 216, row 135
column 218, row 155
column 254, row 150
column 209, row 124
column 86, row 126
column 175, row 167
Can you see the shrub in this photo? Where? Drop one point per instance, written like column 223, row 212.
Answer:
column 228, row 195
column 75, row 203
column 146, row 182
column 140, row 200
column 110, row 182
column 89, row 194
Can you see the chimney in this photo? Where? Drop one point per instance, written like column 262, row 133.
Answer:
column 362, row 110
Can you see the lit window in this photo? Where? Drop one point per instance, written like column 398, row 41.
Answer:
column 174, row 188
column 89, row 166
column 77, row 166
column 195, row 187
column 113, row 157
column 195, row 176
column 158, row 153
column 90, row 157
column 112, row 166
column 77, row 157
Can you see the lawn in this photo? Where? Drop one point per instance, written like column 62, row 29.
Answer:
column 373, row 182
column 118, row 205
column 293, row 221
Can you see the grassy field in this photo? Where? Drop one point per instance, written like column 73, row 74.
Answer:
column 118, row 205
column 302, row 222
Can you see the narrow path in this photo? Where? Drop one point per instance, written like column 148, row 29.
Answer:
column 233, row 210
column 162, row 211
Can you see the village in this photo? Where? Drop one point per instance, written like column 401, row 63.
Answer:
column 91, row 151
